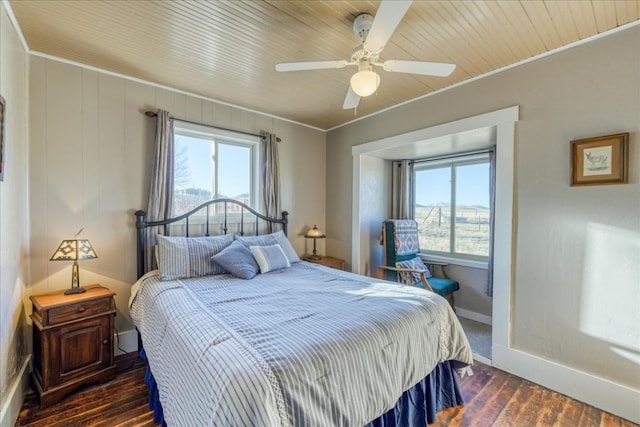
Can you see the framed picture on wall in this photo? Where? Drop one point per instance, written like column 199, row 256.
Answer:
column 3, row 106
column 600, row 160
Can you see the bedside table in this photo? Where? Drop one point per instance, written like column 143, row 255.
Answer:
column 72, row 341
column 328, row 261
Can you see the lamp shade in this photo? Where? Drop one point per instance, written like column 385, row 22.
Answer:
column 365, row 82
column 74, row 250
column 314, row 233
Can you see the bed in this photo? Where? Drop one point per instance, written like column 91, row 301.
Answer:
column 283, row 342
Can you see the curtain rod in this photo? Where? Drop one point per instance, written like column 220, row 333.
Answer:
column 153, row 114
column 453, row 156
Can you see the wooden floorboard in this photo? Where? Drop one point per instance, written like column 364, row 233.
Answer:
column 492, row 398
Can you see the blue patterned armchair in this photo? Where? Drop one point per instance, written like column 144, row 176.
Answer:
column 403, row 264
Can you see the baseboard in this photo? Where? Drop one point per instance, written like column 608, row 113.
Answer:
column 599, row 392
column 472, row 315
column 15, row 397
column 479, row 358
column 125, row 342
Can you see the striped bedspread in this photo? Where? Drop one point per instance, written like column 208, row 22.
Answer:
column 302, row 346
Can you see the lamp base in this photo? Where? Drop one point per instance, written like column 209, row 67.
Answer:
column 76, row 290
column 314, row 256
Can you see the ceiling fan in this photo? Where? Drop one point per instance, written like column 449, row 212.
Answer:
column 374, row 32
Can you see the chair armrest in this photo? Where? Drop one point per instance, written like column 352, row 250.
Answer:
column 386, row 267
column 441, row 264
column 423, row 274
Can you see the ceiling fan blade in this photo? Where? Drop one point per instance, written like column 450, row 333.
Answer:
column 388, row 16
column 311, row 65
column 351, row 100
column 438, row 69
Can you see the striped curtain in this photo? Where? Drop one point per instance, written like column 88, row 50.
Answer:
column 161, row 191
column 402, row 206
column 270, row 175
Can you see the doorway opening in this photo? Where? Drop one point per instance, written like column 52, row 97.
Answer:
column 369, row 177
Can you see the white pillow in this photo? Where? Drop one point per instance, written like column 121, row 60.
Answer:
column 270, row 258
column 271, row 239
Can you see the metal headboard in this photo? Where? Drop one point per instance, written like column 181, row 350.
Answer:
column 212, row 210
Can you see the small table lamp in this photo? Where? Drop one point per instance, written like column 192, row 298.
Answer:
column 314, row 234
column 74, row 250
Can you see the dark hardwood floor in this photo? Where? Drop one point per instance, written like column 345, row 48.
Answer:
column 493, row 398
column 496, row 398
column 121, row 402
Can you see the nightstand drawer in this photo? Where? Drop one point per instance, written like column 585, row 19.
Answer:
column 79, row 310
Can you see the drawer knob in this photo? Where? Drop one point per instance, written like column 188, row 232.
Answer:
column 81, row 309
column 105, row 342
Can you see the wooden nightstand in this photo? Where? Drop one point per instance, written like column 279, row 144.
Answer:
column 328, row 261
column 72, row 341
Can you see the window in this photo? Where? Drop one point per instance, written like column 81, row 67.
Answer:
column 212, row 163
column 452, row 206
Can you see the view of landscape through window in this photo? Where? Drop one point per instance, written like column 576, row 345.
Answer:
column 451, row 199
column 207, row 168
column 453, row 218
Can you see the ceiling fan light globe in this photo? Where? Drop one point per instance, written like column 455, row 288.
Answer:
column 365, row 82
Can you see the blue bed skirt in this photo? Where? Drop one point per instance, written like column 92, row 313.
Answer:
column 417, row 406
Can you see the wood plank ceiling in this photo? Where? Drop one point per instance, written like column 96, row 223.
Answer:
column 227, row 50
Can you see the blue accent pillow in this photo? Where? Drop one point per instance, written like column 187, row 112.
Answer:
column 237, row 260
column 270, row 257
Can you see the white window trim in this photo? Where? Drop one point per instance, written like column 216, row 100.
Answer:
column 483, row 265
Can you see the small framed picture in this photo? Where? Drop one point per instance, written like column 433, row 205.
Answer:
column 3, row 107
column 600, row 160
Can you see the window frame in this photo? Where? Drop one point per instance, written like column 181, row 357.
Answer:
column 452, row 161
column 226, row 137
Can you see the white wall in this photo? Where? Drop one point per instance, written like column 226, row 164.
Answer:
column 472, row 297
column 576, row 299
column 374, row 205
column 14, row 214
column 90, row 163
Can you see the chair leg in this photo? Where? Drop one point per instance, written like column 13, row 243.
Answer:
column 452, row 301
